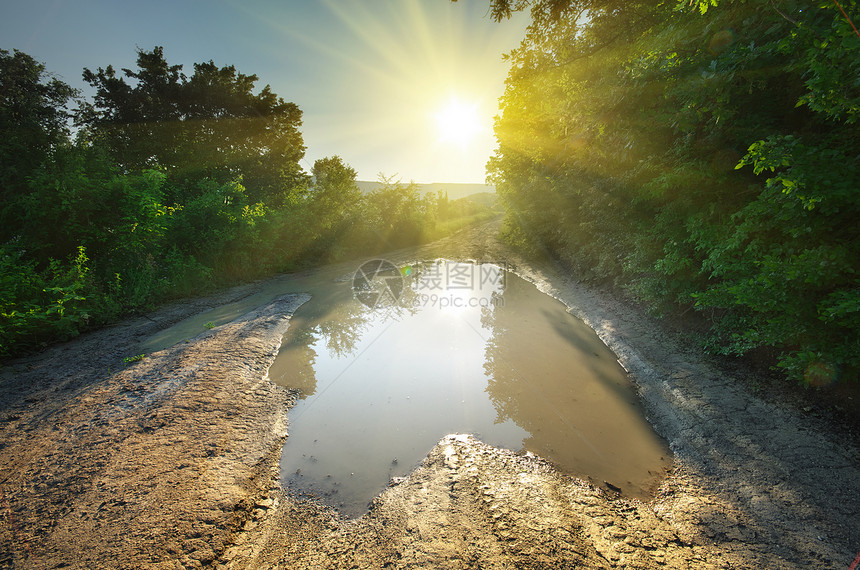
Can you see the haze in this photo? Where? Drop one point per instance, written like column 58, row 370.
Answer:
column 370, row 76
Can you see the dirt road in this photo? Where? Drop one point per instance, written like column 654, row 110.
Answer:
column 172, row 461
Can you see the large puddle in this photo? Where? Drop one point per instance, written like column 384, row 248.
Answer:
column 443, row 347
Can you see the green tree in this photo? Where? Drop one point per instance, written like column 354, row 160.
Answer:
column 335, row 192
column 211, row 125
column 335, row 201
column 702, row 155
column 34, row 123
column 396, row 214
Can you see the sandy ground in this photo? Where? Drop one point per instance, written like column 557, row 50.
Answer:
column 172, row 461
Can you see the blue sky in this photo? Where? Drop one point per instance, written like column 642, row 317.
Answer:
column 369, row 75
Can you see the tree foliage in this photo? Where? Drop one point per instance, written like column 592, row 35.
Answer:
column 702, row 155
column 210, row 125
column 33, row 123
column 173, row 186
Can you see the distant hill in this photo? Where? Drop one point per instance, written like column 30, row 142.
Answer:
column 455, row 191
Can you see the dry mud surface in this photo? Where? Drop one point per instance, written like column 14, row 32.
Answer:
column 172, row 461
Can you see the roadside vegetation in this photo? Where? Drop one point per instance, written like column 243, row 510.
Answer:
column 171, row 185
column 702, row 155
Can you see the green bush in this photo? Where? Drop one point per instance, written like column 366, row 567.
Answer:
column 701, row 159
column 39, row 307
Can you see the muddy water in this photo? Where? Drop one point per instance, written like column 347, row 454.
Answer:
column 316, row 281
column 453, row 348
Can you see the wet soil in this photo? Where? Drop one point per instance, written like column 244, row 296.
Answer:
column 172, row 461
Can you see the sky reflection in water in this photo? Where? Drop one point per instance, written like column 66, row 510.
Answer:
column 466, row 349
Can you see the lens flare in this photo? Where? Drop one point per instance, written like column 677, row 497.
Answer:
column 458, row 122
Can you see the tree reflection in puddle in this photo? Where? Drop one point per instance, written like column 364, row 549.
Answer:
column 467, row 348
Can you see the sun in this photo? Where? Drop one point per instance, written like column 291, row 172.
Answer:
column 458, row 123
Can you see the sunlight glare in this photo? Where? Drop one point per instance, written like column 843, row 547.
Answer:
column 458, row 123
